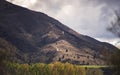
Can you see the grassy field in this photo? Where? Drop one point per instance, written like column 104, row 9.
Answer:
column 93, row 66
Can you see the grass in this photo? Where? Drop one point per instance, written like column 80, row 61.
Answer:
column 94, row 66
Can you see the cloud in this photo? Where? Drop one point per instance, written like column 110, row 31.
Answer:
column 24, row 3
column 88, row 17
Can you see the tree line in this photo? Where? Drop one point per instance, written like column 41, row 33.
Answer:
column 56, row 68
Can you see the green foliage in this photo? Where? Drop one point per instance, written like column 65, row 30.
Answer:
column 115, row 61
column 94, row 71
column 56, row 68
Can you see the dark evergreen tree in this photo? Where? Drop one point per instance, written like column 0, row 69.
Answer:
column 115, row 58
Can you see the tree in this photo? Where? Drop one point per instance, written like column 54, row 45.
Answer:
column 115, row 58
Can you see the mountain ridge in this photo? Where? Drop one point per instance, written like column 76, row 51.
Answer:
column 40, row 38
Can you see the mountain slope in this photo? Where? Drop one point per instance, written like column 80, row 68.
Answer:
column 40, row 38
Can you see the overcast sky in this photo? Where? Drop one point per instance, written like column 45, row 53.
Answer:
column 88, row 17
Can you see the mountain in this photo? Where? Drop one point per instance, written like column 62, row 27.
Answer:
column 40, row 38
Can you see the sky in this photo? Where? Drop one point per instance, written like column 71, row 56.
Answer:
column 88, row 17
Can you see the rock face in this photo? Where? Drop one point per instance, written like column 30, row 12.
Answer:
column 40, row 38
